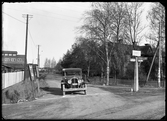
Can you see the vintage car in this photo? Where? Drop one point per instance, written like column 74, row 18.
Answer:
column 72, row 80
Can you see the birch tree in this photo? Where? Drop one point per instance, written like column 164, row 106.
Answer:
column 98, row 28
column 155, row 16
column 133, row 22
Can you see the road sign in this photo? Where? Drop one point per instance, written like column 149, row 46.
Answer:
column 136, row 53
column 142, row 58
column 133, row 60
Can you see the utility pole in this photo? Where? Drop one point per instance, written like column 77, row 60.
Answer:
column 159, row 59
column 25, row 59
column 136, row 77
column 38, row 56
column 152, row 62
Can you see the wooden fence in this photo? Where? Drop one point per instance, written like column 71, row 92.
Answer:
column 11, row 78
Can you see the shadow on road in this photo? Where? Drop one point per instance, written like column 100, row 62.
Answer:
column 54, row 91
column 75, row 93
column 58, row 91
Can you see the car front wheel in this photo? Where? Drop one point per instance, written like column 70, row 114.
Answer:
column 85, row 92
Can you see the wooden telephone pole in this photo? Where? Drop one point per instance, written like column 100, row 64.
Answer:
column 159, row 59
column 25, row 59
column 38, row 56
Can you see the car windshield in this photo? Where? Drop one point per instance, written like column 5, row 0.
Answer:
column 68, row 73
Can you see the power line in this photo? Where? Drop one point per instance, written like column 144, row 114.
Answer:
column 48, row 16
column 56, row 17
column 55, row 13
column 13, row 17
column 77, row 5
column 31, row 38
column 49, row 12
column 59, row 7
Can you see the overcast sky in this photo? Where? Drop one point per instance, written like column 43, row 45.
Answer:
column 52, row 26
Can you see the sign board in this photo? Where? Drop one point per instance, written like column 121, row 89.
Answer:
column 32, row 76
column 136, row 53
column 133, row 60
column 142, row 58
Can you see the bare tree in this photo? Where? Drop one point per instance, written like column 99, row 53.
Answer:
column 133, row 22
column 118, row 18
column 98, row 27
column 155, row 16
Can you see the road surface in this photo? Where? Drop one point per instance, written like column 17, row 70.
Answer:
column 101, row 102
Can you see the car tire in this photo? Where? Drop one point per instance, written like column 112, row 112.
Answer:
column 61, row 86
column 85, row 92
column 64, row 93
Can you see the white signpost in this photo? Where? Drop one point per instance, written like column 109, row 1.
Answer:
column 136, row 53
column 137, row 59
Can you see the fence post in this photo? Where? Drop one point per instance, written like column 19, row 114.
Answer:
column 3, row 80
column 7, row 80
column 22, row 75
column 17, row 77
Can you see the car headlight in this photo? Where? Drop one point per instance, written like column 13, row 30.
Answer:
column 79, row 81
column 69, row 81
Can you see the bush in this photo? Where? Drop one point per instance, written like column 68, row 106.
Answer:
column 12, row 95
column 21, row 91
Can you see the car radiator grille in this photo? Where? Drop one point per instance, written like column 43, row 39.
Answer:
column 74, row 80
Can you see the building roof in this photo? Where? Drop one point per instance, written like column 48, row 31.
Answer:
column 9, row 52
column 16, row 66
column 6, row 66
column 20, row 56
column 146, row 50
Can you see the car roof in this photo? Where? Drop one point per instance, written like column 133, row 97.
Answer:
column 71, row 69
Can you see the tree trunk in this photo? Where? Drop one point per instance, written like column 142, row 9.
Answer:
column 124, row 70
column 108, row 72
column 88, row 70
column 115, row 77
column 108, row 62
column 102, row 70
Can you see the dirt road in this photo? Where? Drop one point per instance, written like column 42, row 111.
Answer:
column 101, row 102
